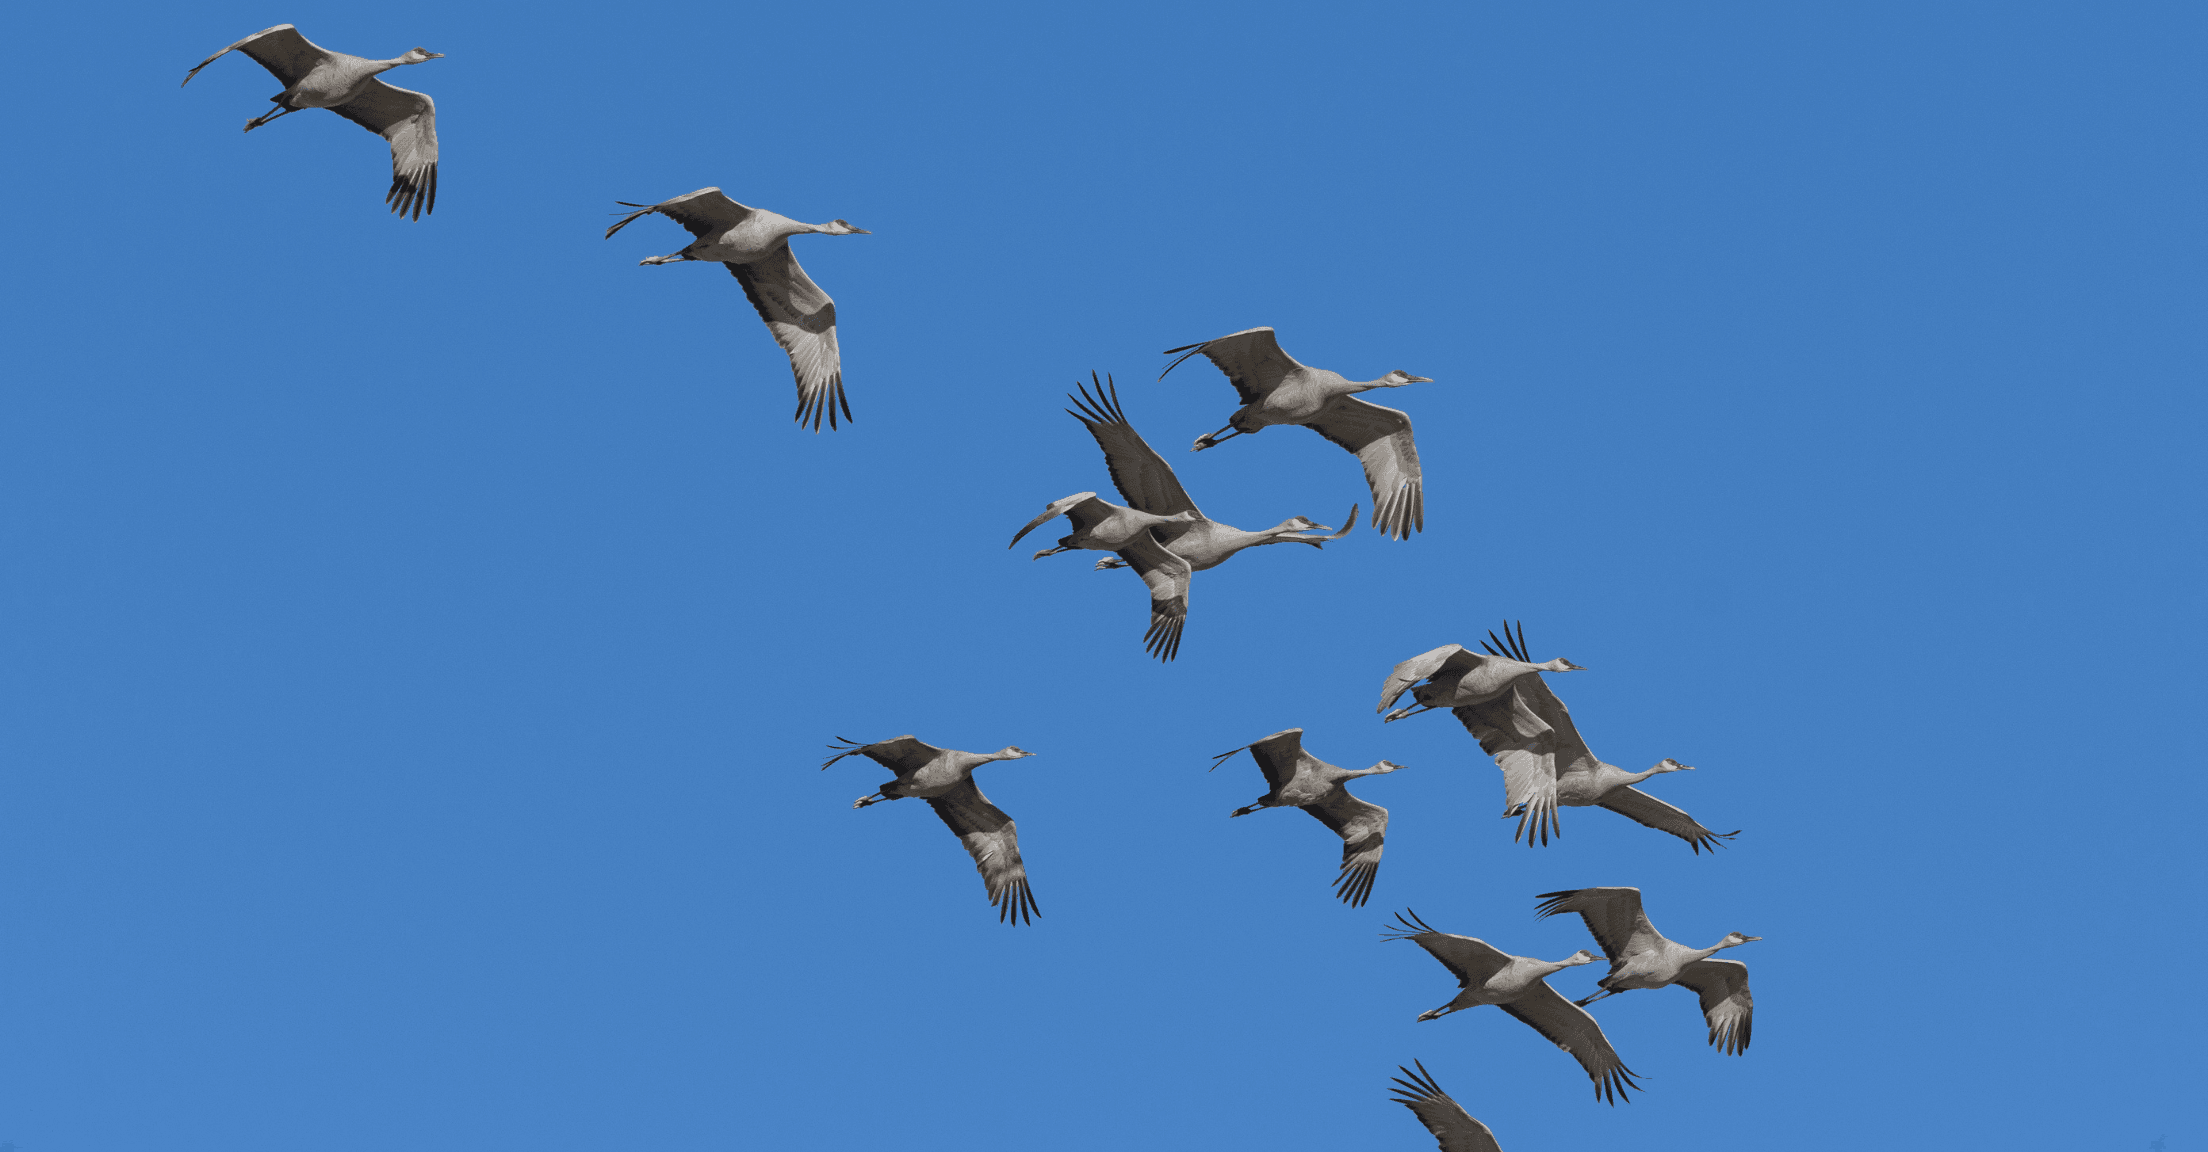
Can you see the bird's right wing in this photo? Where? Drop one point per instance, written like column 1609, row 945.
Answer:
column 1381, row 438
column 1053, row 510
column 1251, row 358
column 1363, row 827
column 994, row 844
column 1472, row 961
column 1637, row 805
column 407, row 119
column 1568, row 1026
column 1530, row 734
column 1278, row 755
column 1167, row 576
column 1726, row 1004
column 705, row 212
column 1419, row 667
column 282, row 50
column 1140, row 474
column 803, row 320
column 1453, row 1128
column 905, row 755
column 1613, row 917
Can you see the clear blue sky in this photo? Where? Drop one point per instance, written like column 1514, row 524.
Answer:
column 417, row 639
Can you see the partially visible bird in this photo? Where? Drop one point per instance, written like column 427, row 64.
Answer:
column 315, row 77
column 1518, row 985
column 1546, row 763
column 1147, row 483
column 1640, row 957
column 1106, row 527
column 945, row 779
column 1277, row 390
column 755, row 245
column 1301, row 780
column 1453, row 1128
column 1455, row 677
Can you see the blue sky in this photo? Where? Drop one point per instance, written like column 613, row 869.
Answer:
column 417, row 639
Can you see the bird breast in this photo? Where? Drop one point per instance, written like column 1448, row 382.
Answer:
column 758, row 235
column 331, row 83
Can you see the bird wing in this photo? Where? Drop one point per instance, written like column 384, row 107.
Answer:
column 1635, row 804
column 1726, row 1004
column 1141, row 475
column 282, row 50
column 1453, row 1128
column 1473, row 961
column 408, row 119
column 1065, row 506
column 1420, row 667
column 1168, row 576
column 1530, row 734
column 705, row 212
column 1381, row 438
column 905, row 755
column 1363, row 827
column 1568, row 1026
column 1613, row 917
column 1278, row 756
column 803, row 320
column 1251, row 358
column 995, row 846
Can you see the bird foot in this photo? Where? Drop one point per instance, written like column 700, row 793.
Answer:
column 863, row 801
column 1203, row 442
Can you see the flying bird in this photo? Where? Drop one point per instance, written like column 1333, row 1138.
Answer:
column 1106, row 527
column 1454, row 677
column 1453, row 1128
column 1518, row 985
column 1545, row 762
column 1640, row 957
column 755, row 245
column 1277, row 390
column 1300, row 780
column 315, row 77
column 945, row 779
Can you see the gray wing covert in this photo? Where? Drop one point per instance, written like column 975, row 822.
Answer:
column 994, row 843
column 1141, row 475
column 407, row 119
column 1363, row 827
column 286, row 54
column 1726, row 1004
column 803, row 320
column 1251, row 359
column 1381, row 438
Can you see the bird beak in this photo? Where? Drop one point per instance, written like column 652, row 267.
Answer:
column 1422, row 379
column 436, row 55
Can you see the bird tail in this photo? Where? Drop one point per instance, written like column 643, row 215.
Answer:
column 1411, row 926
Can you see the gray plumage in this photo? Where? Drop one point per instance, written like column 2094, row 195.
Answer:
column 1518, row 985
column 1454, row 1129
column 1640, row 957
column 1277, row 390
column 315, row 77
column 1300, row 780
column 1103, row 526
column 945, row 779
column 1545, row 762
column 754, row 244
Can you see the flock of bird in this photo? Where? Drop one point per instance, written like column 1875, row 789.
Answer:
column 1499, row 693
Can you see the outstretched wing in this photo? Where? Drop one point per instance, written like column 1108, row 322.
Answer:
column 1140, row 474
column 1471, row 961
column 1381, row 438
column 282, row 50
column 1420, row 667
column 407, row 119
column 1613, row 917
column 1278, row 756
column 1363, row 827
column 1530, row 734
column 803, row 320
column 1167, row 576
column 995, row 846
column 1726, row 1004
column 1637, row 805
column 905, row 755
column 1568, row 1026
column 705, row 212
column 1251, row 358
column 1453, row 1128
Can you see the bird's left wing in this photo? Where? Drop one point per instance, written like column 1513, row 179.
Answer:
column 286, row 54
column 1726, row 1004
column 1278, row 756
column 1530, row 734
column 1453, row 1128
column 1568, row 1026
column 1140, row 474
column 1168, row 577
column 905, row 755
column 995, row 846
column 1408, row 673
column 705, row 212
column 1363, row 827
column 1637, row 805
column 408, row 120
column 1381, row 438
column 803, row 320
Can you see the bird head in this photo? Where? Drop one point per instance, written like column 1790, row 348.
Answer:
column 1582, row 956
column 1667, row 764
column 1013, row 752
column 1399, row 378
column 1560, row 664
column 1384, row 767
column 417, row 55
column 1736, row 939
column 843, row 228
